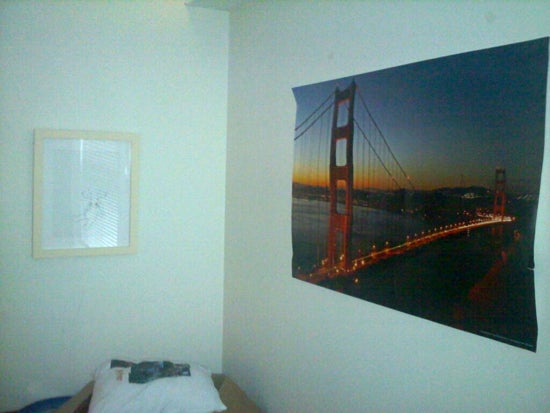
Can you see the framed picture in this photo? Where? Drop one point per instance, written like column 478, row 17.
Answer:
column 85, row 193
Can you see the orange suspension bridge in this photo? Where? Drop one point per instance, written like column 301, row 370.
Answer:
column 345, row 166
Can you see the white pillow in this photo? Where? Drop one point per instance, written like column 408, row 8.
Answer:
column 113, row 393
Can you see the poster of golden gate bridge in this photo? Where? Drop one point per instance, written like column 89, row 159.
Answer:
column 416, row 188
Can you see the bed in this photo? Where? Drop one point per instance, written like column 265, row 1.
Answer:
column 230, row 394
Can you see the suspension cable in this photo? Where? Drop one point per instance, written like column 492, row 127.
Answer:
column 407, row 178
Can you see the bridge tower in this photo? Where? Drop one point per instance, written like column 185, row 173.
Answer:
column 341, row 179
column 500, row 193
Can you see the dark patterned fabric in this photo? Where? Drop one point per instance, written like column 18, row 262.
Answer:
column 147, row 371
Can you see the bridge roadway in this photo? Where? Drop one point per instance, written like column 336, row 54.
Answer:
column 324, row 273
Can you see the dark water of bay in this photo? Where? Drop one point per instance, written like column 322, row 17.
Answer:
column 477, row 281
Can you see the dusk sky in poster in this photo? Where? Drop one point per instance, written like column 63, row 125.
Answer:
column 452, row 121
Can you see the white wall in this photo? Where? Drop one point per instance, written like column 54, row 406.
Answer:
column 296, row 347
column 157, row 69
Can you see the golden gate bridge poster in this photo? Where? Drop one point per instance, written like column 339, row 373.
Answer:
column 416, row 188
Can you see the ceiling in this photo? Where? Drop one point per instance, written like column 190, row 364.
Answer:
column 226, row 5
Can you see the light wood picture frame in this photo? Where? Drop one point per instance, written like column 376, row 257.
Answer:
column 85, row 193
